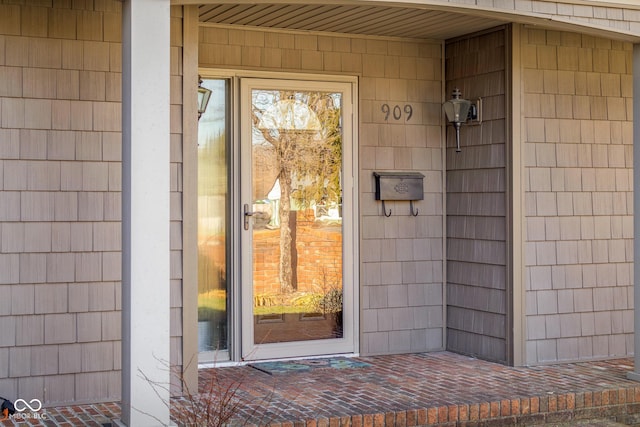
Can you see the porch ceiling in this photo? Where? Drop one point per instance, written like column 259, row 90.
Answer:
column 386, row 21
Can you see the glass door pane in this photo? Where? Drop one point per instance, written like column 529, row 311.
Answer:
column 213, row 219
column 296, row 151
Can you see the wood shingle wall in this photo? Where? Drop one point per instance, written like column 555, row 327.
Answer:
column 60, row 204
column 476, row 201
column 598, row 14
column 579, row 200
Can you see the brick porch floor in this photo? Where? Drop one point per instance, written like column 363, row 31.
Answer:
column 410, row 390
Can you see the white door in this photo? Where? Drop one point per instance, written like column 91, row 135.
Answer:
column 297, row 225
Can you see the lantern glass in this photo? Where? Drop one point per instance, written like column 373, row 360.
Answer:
column 457, row 110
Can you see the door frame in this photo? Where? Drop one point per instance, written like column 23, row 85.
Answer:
column 350, row 189
column 346, row 344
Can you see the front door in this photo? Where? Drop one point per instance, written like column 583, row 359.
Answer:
column 296, row 218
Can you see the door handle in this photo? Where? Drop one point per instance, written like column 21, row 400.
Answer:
column 247, row 215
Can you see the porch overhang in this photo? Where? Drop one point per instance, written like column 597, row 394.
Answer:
column 420, row 19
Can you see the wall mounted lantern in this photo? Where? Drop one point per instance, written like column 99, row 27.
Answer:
column 459, row 110
column 203, row 98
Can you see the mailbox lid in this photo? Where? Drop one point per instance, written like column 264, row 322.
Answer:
column 399, row 185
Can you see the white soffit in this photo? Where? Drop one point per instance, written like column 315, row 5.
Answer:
column 386, row 21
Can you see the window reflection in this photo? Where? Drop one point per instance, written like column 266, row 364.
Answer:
column 296, row 152
column 213, row 208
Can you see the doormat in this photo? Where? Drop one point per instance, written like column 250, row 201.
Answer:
column 284, row 366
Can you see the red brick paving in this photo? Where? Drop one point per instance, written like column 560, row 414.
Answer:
column 407, row 390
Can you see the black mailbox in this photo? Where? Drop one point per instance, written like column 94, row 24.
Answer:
column 399, row 185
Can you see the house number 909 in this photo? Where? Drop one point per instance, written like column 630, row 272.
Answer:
column 396, row 111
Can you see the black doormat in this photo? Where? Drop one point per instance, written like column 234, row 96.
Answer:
column 305, row 365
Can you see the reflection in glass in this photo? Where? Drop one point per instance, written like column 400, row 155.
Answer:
column 213, row 208
column 297, row 225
